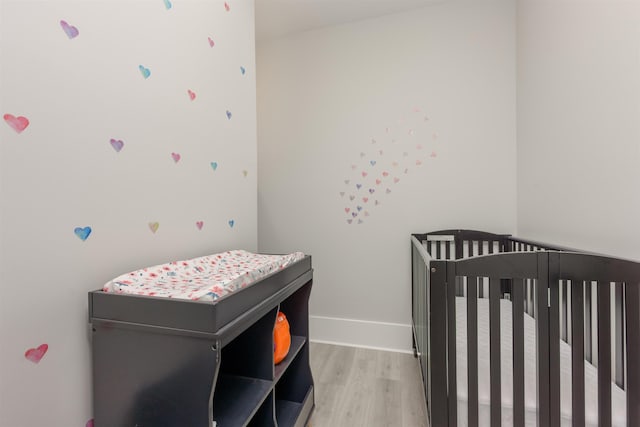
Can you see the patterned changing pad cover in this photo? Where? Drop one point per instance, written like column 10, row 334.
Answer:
column 206, row 278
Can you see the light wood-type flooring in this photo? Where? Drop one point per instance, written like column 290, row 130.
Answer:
column 363, row 387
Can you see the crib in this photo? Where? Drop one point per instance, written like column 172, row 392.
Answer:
column 514, row 332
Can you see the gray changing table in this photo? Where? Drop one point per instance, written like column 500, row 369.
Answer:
column 161, row 362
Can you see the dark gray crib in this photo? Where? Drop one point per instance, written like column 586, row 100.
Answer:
column 588, row 301
column 160, row 362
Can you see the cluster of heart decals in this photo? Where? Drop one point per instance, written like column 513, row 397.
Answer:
column 384, row 162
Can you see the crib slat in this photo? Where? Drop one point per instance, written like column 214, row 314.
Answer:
column 517, row 312
column 604, row 354
column 632, row 305
column 541, row 312
column 554, row 349
column 588, row 345
column 452, row 327
column 495, row 382
column 577, row 353
column 619, row 334
column 472, row 349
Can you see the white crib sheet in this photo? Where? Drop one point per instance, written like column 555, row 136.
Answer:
column 206, row 278
column 618, row 404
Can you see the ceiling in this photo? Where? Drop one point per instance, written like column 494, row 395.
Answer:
column 277, row 18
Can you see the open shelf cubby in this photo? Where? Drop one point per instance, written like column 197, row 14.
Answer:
column 251, row 390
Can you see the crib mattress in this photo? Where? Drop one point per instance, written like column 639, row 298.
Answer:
column 618, row 398
column 206, row 278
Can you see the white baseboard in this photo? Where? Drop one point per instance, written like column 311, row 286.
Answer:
column 361, row 333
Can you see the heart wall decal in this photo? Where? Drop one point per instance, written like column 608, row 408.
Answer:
column 71, row 31
column 35, row 355
column 117, row 144
column 82, row 232
column 144, row 71
column 175, row 157
column 18, row 124
column 153, row 226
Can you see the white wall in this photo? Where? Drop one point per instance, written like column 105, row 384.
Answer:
column 579, row 124
column 62, row 173
column 325, row 96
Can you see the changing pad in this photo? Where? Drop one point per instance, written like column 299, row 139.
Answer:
column 206, row 278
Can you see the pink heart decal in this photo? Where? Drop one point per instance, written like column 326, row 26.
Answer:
column 385, row 174
column 199, row 224
column 347, row 210
column 365, row 199
column 117, row 144
column 378, row 182
column 192, row 95
column 419, row 147
column 227, row 7
column 17, row 123
column 71, row 31
column 36, row 354
column 211, row 43
column 366, row 213
column 364, row 174
column 418, row 162
column 89, row 423
column 354, row 167
column 176, row 157
column 433, row 154
column 395, row 180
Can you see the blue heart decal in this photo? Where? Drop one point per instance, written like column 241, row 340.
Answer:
column 231, row 223
column 82, row 233
column 167, row 4
column 229, row 114
column 358, row 186
column 242, row 70
column 145, row 71
column 373, row 162
column 214, row 165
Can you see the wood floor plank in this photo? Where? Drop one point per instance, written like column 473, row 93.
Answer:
column 363, row 387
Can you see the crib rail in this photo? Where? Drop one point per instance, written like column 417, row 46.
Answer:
column 531, row 275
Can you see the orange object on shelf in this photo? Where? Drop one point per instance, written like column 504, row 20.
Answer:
column 281, row 338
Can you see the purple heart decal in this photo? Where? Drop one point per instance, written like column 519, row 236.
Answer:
column 71, row 31
column 117, row 144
